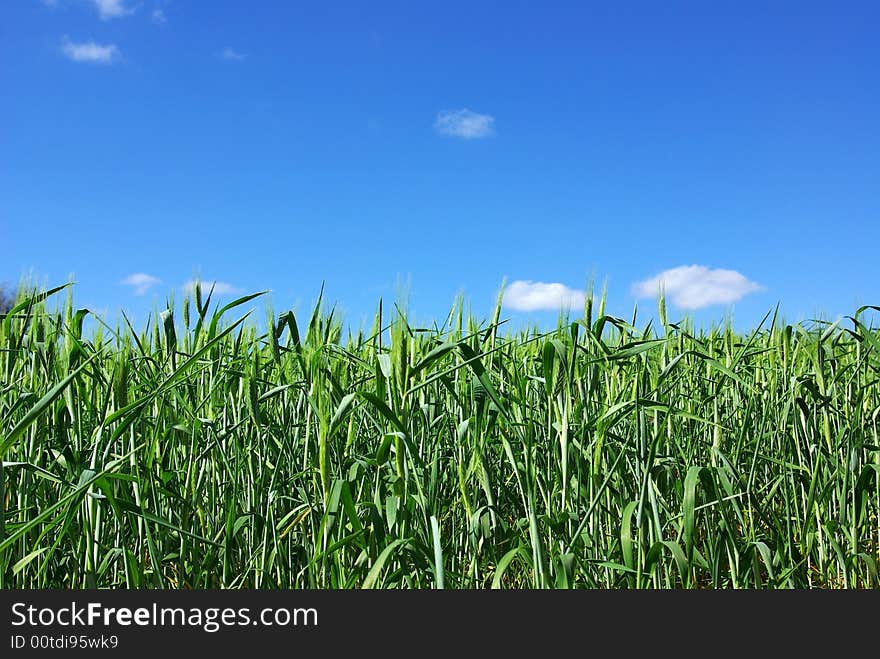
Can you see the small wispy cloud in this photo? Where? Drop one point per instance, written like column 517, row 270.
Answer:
column 141, row 282
column 231, row 55
column 219, row 287
column 158, row 16
column 525, row 295
column 89, row 51
column 108, row 9
column 464, row 123
column 697, row 286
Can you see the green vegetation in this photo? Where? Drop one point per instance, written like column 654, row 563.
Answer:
column 205, row 452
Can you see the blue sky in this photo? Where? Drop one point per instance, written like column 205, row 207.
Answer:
column 273, row 145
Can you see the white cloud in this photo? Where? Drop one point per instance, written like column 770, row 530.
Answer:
column 141, row 282
column 536, row 295
column 89, row 51
column 464, row 124
column 108, row 9
column 220, row 287
column 158, row 16
column 232, row 55
column 697, row 286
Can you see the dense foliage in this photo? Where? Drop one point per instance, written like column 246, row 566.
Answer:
column 206, row 452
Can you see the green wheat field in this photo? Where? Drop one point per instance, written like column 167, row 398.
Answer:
column 231, row 446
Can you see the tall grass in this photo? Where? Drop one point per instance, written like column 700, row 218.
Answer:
column 203, row 452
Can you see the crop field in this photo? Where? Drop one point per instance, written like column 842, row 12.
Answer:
column 232, row 446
